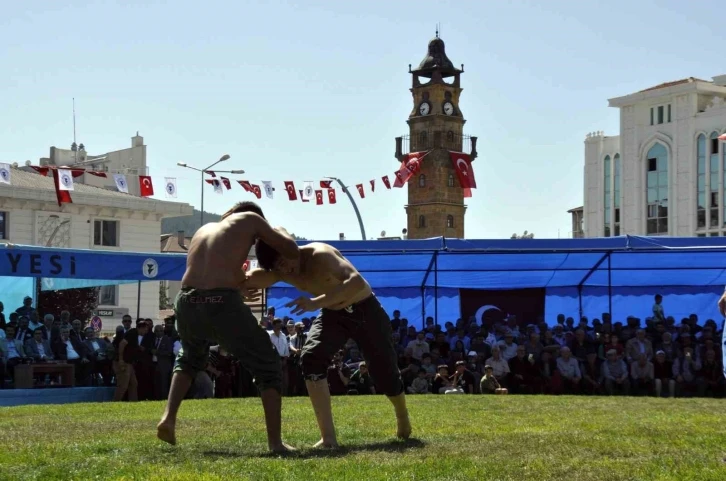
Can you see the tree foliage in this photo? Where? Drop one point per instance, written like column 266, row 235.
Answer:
column 525, row 235
column 164, row 301
column 79, row 302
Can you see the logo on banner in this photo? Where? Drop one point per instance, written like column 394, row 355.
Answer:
column 170, row 188
column 66, row 181
column 4, row 174
column 48, row 282
column 150, row 268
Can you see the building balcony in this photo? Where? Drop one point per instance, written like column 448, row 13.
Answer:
column 435, row 139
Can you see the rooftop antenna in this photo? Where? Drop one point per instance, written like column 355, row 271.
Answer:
column 74, row 130
column 437, row 30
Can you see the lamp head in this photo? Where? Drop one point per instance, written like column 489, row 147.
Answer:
column 236, row 171
column 224, row 157
column 181, row 164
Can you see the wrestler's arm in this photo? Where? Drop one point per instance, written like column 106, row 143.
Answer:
column 278, row 238
column 260, row 279
column 351, row 282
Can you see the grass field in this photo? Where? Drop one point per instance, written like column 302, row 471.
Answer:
column 456, row 438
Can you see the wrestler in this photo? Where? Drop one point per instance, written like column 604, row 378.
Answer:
column 349, row 310
column 210, row 309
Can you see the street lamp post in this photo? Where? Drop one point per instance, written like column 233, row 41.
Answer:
column 355, row 207
column 204, row 171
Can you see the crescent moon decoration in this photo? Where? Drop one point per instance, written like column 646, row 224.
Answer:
column 480, row 312
column 147, row 182
column 465, row 169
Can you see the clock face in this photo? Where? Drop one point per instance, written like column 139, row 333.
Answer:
column 424, row 108
column 448, row 108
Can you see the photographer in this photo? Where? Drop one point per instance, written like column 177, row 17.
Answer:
column 338, row 375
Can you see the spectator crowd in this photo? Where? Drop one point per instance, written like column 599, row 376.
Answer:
column 659, row 358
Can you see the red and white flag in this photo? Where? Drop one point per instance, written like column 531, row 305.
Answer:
column 386, row 182
column 331, row 196
column 373, row 185
column 302, row 197
column 464, row 171
column 63, row 195
column 211, row 173
column 722, row 137
column 245, row 185
column 361, row 192
column 146, row 188
column 269, row 190
column 226, row 183
column 217, row 185
column 325, row 184
column 410, row 165
column 41, row 170
column 97, row 174
column 256, row 190
column 319, row 197
column 65, row 179
column 290, row 188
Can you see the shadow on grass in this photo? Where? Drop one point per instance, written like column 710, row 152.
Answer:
column 308, row 453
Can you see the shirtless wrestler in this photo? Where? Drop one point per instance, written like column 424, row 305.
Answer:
column 349, row 310
column 210, row 309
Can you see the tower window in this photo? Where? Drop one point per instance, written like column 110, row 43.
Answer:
column 422, row 139
column 450, row 221
column 421, row 221
column 422, row 180
column 450, row 183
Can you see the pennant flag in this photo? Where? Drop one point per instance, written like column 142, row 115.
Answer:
column 211, row 173
column 5, row 174
column 121, row 184
column 319, row 197
column 386, row 182
column 269, row 191
column 373, row 185
column 464, row 171
column 302, row 197
column 331, row 196
column 325, row 184
column 256, row 190
column 245, row 185
column 225, row 182
column 63, row 196
column 217, row 185
column 65, row 179
column 290, row 188
column 41, row 170
column 410, row 165
column 361, row 192
column 77, row 172
column 307, row 190
column 97, row 174
column 170, row 187
column 146, row 188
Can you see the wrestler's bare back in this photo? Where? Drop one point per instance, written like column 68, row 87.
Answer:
column 218, row 250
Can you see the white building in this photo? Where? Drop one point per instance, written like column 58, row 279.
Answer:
column 664, row 173
column 98, row 218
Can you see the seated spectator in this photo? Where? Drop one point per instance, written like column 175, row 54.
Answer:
column 524, row 377
column 480, row 346
column 534, row 346
column 713, row 375
column 441, row 382
column 428, row 367
column 643, row 374
column 23, row 332
column 77, row 330
column 663, row 374
column 489, row 383
column 686, row 369
column 591, row 374
column 338, row 375
column 569, row 370
column 615, row 374
column 638, row 345
column 668, row 347
column 418, row 346
column 222, row 370
column 420, row 385
column 361, row 382
column 12, row 353
column 614, row 344
column 98, row 353
column 73, row 352
column 508, row 346
column 38, row 348
column 499, row 365
column 441, row 344
column 463, row 379
column 580, row 346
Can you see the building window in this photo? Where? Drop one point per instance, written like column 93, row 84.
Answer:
column 657, row 190
column 669, row 113
column 106, row 233
column 660, row 114
column 450, row 182
column 608, row 196
column 450, row 221
column 3, row 225
column 616, row 194
column 713, row 180
column 651, row 116
column 421, row 221
column 701, row 182
column 108, row 296
column 422, row 180
column 661, row 117
column 422, row 138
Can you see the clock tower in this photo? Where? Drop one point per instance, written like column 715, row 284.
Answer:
column 435, row 199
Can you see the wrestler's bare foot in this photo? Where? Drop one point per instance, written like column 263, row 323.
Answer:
column 281, row 448
column 166, row 431
column 326, row 444
column 404, row 427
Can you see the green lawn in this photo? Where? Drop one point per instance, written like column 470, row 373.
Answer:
column 456, row 438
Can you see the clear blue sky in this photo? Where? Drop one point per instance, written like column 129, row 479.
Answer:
column 301, row 90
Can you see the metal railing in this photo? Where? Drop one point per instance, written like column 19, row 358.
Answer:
column 435, row 139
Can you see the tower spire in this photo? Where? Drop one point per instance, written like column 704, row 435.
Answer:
column 437, row 30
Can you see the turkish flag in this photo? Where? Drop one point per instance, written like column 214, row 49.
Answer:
column 41, row 170
column 256, row 190
column 386, row 182
column 303, row 198
column 63, row 196
column 77, row 173
column 245, row 185
column 410, row 165
column 290, row 188
column 331, row 196
column 464, row 171
column 211, row 173
column 319, row 197
column 246, row 265
column 325, row 184
column 373, row 185
column 361, row 191
column 226, row 183
column 97, row 174
column 146, row 188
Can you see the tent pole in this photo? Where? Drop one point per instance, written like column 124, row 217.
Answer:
column 610, row 289
column 436, row 288
column 264, row 303
column 423, row 291
column 138, row 302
